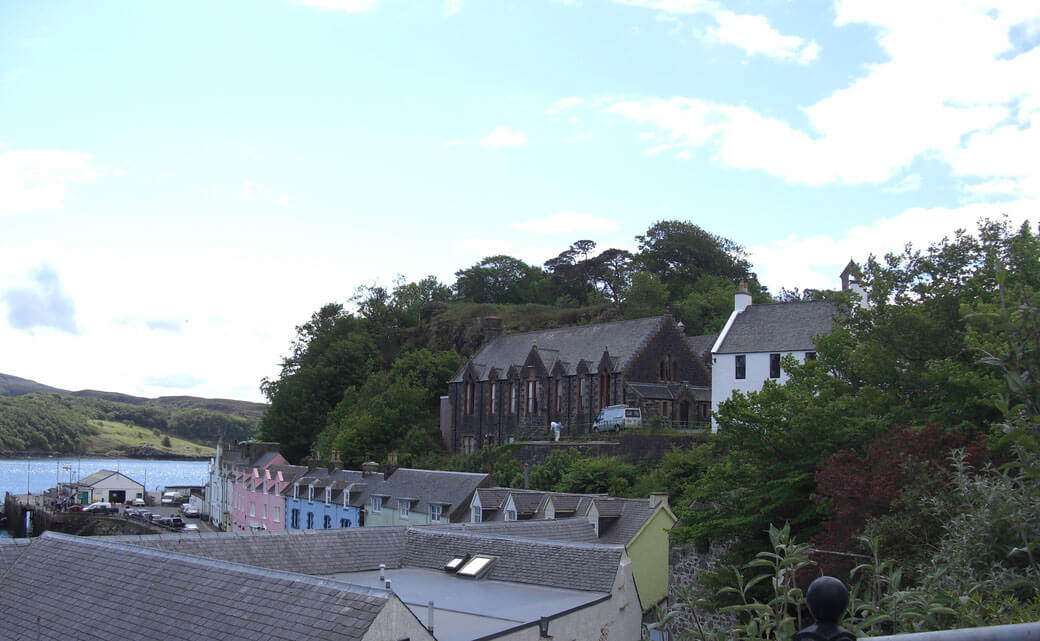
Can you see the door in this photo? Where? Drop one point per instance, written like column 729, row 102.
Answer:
column 117, row 496
column 684, row 413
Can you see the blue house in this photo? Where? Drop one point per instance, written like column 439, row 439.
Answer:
column 328, row 498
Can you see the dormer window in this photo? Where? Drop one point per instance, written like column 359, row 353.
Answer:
column 403, row 506
column 328, row 495
column 296, row 490
column 510, row 515
column 376, row 504
column 310, row 492
column 435, row 512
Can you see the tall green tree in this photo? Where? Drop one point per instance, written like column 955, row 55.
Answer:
column 679, row 253
column 502, row 280
column 333, row 351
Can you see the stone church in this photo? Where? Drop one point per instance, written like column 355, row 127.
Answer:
column 516, row 385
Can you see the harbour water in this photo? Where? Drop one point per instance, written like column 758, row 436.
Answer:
column 39, row 474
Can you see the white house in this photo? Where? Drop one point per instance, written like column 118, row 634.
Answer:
column 747, row 352
column 107, row 485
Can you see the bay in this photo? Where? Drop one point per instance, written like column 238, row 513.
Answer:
column 39, row 474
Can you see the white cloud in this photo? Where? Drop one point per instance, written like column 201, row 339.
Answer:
column 564, row 104
column 566, row 222
column 821, row 258
column 673, row 6
column 502, row 136
column 755, row 35
column 35, row 180
column 452, row 143
column 948, row 91
column 350, row 6
column 911, row 182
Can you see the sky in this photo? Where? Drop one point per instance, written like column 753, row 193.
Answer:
column 183, row 183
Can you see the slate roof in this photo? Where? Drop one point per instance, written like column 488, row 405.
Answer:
column 701, row 346
column 492, row 498
column 320, row 477
column 61, row 577
column 574, row 530
column 453, row 489
column 101, row 475
column 620, row 519
column 778, row 327
column 570, row 345
column 527, row 501
column 578, row 566
column 659, row 391
column 302, row 551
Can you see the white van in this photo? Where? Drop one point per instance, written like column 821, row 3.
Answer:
column 169, row 498
column 617, row 417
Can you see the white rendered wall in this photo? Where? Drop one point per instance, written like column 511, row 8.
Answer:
column 724, row 379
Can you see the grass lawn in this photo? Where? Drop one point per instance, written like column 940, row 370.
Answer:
column 120, row 436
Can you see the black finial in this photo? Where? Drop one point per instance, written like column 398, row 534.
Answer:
column 827, row 598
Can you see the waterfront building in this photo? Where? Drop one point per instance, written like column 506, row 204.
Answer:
column 223, row 470
column 107, row 485
column 259, row 503
column 417, row 497
column 325, row 498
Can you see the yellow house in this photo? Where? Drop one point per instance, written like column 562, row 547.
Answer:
column 642, row 526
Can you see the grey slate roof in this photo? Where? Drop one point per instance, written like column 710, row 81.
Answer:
column 302, row 551
column 452, row 489
column 778, row 327
column 574, row 530
column 571, row 345
column 578, row 566
column 701, row 346
column 492, row 498
column 620, row 519
column 60, row 577
column 96, row 477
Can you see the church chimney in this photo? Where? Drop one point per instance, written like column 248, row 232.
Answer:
column 492, row 327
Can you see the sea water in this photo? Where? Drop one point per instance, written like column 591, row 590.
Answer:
column 39, row 474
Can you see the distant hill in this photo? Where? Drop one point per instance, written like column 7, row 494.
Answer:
column 15, row 386
column 44, row 419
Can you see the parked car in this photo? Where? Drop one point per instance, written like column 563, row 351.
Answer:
column 144, row 515
column 130, row 513
column 189, row 511
column 138, row 502
column 617, row 417
column 101, row 507
column 191, row 527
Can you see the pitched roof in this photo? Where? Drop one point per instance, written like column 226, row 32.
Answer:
column 574, row 530
column 701, row 345
column 578, row 566
column 303, row 551
column 624, row 518
column 569, row 345
column 453, row 489
column 229, row 601
column 778, row 327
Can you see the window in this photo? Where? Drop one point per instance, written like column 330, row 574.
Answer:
column 581, row 391
column 328, row 522
column 376, row 504
column 469, row 444
column 328, row 495
column 510, row 515
column 402, row 508
column 675, row 370
column 774, row 366
column 435, row 512
column 310, row 520
column 310, row 492
column 476, row 566
column 476, row 514
column 277, row 514
column 740, row 366
column 296, row 490
column 512, row 397
column 532, row 396
column 471, row 397
column 265, row 511
column 455, row 563
column 491, row 397
column 252, row 508
column 604, row 388
column 295, row 524
column 559, row 395
column 810, row 356
column 344, row 522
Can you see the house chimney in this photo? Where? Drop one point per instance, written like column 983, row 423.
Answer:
column 742, row 298
column 658, row 498
column 369, row 467
column 492, row 328
column 391, row 464
column 335, row 462
column 311, row 461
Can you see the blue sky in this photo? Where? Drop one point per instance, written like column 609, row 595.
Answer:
column 181, row 184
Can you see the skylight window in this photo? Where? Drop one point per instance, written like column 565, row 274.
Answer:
column 456, row 563
column 476, row 566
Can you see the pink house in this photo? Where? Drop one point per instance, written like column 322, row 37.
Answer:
column 257, row 499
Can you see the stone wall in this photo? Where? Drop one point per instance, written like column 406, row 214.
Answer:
column 634, row 447
column 686, row 565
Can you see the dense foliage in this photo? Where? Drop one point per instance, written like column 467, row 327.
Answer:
column 42, row 422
